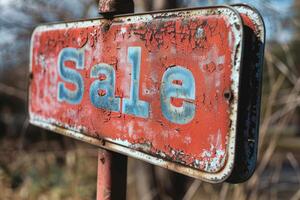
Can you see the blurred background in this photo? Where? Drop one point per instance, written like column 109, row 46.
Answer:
column 36, row 164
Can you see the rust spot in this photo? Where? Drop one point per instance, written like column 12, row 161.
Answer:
column 237, row 26
column 30, row 76
column 106, row 26
column 103, row 142
column 102, row 77
column 228, row 95
column 211, row 67
column 101, row 92
column 102, row 160
column 177, row 82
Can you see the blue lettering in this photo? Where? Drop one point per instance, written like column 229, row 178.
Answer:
column 178, row 82
column 70, row 75
column 134, row 106
column 102, row 91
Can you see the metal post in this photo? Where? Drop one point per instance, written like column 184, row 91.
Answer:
column 112, row 174
column 113, row 7
column 112, row 167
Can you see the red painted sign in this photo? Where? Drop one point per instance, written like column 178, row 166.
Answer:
column 161, row 87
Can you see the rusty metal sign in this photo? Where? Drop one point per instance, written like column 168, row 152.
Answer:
column 160, row 87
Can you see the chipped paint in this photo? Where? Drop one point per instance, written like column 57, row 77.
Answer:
column 139, row 50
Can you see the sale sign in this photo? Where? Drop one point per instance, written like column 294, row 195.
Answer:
column 160, row 87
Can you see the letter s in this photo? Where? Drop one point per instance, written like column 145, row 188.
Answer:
column 70, row 75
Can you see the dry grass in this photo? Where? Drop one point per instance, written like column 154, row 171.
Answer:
column 47, row 171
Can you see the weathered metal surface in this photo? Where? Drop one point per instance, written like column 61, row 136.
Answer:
column 116, row 6
column 161, row 87
column 112, row 172
column 250, row 94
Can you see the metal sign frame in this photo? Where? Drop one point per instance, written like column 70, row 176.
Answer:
column 250, row 93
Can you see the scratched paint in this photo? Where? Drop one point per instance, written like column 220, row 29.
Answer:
column 162, row 87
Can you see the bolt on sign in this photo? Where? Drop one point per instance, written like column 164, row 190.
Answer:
column 171, row 88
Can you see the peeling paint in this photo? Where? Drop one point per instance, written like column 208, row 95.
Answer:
column 206, row 43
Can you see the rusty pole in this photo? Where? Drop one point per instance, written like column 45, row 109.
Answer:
column 113, row 7
column 112, row 173
column 112, row 167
